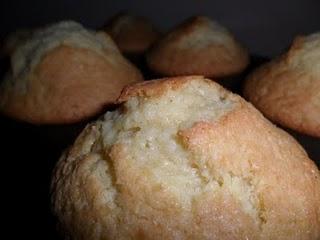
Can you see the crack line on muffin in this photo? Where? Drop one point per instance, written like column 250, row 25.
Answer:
column 221, row 179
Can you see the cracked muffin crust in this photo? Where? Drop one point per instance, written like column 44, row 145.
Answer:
column 183, row 158
column 64, row 73
column 198, row 46
column 287, row 89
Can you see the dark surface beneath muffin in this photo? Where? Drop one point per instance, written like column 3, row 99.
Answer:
column 30, row 152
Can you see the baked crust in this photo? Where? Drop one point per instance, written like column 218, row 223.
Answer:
column 132, row 34
column 158, row 87
column 68, row 84
column 227, row 185
column 198, row 46
column 287, row 89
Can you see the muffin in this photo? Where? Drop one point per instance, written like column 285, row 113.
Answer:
column 198, row 46
column 287, row 89
column 132, row 34
column 179, row 159
column 64, row 74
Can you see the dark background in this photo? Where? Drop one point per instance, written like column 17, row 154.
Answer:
column 267, row 27
column 28, row 153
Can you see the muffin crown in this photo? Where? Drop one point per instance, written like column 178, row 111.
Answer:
column 64, row 73
column 304, row 54
column 182, row 158
column 28, row 55
column 287, row 89
column 198, row 46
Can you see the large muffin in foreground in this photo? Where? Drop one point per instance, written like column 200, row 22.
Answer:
column 183, row 158
column 198, row 46
column 132, row 34
column 287, row 89
column 63, row 74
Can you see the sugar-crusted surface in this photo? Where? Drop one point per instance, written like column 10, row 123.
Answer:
column 198, row 46
column 307, row 55
column 152, row 126
column 64, row 73
column 184, row 159
column 207, row 32
column 287, row 89
column 28, row 55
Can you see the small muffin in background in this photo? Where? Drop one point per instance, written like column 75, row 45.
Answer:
column 287, row 89
column 132, row 34
column 64, row 74
column 198, row 46
column 14, row 39
column 179, row 159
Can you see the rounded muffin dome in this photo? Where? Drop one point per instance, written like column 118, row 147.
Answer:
column 198, row 46
column 64, row 73
column 183, row 158
column 287, row 89
column 132, row 34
